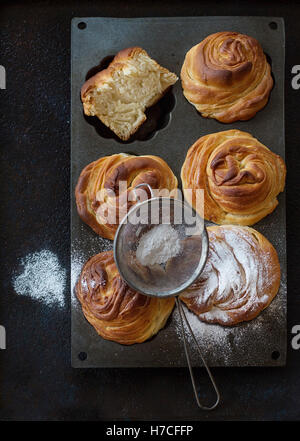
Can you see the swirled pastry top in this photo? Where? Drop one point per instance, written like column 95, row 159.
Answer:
column 240, row 278
column 241, row 177
column 116, row 311
column 104, row 189
column 227, row 77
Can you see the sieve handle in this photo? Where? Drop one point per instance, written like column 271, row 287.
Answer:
column 144, row 185
column 184, row 318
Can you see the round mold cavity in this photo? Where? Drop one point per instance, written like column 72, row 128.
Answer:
column 158, row 115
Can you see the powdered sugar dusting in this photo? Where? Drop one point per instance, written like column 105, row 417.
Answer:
column 80, row 255
column 77, row 263
column 209, row 337
column 43, row 278
column 234, row 345
column 235, row 279
column 158, row 245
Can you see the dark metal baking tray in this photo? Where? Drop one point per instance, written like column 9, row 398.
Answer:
column 173, row 125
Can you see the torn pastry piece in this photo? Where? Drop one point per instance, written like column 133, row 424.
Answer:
column 240, row 279
column 116, row 311
column 120, row 94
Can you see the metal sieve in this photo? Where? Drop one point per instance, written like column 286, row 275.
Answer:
column 179, row 272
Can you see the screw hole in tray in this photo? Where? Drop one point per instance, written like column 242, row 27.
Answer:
column 273, row 25
column 82, row 356
column 158, row 115
column 81, row 25
column 275, row 355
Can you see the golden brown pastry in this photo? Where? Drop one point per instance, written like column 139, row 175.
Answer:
column 227, row 77
column 120, row 94
column 99, row 192
column 241, row 177
column 240, row 279
column 116, row 311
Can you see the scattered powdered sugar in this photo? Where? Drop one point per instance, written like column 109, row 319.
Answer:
column 248, row 343
column 84, row 247
column 158, row 245
column 216, row 314
column 244, row 344
column 211, row 338
column 77, row 262
column 43, row 278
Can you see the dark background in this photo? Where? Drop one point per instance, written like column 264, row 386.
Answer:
column 36, row 378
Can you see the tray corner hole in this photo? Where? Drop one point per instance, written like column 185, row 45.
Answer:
column 158, row 115
column 275, row 355
column 82, row 356
column 81, row 25
column 273, row 25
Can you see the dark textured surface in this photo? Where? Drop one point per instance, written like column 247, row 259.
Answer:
column 247, row 344
column 36, row 378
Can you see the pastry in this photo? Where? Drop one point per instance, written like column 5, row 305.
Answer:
column 104, row 189
column 240, row 279
column 116, row 311
column 227, row 77
column 120, row 94
column 241, row 177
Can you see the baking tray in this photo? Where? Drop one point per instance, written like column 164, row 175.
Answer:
column 173, row 126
